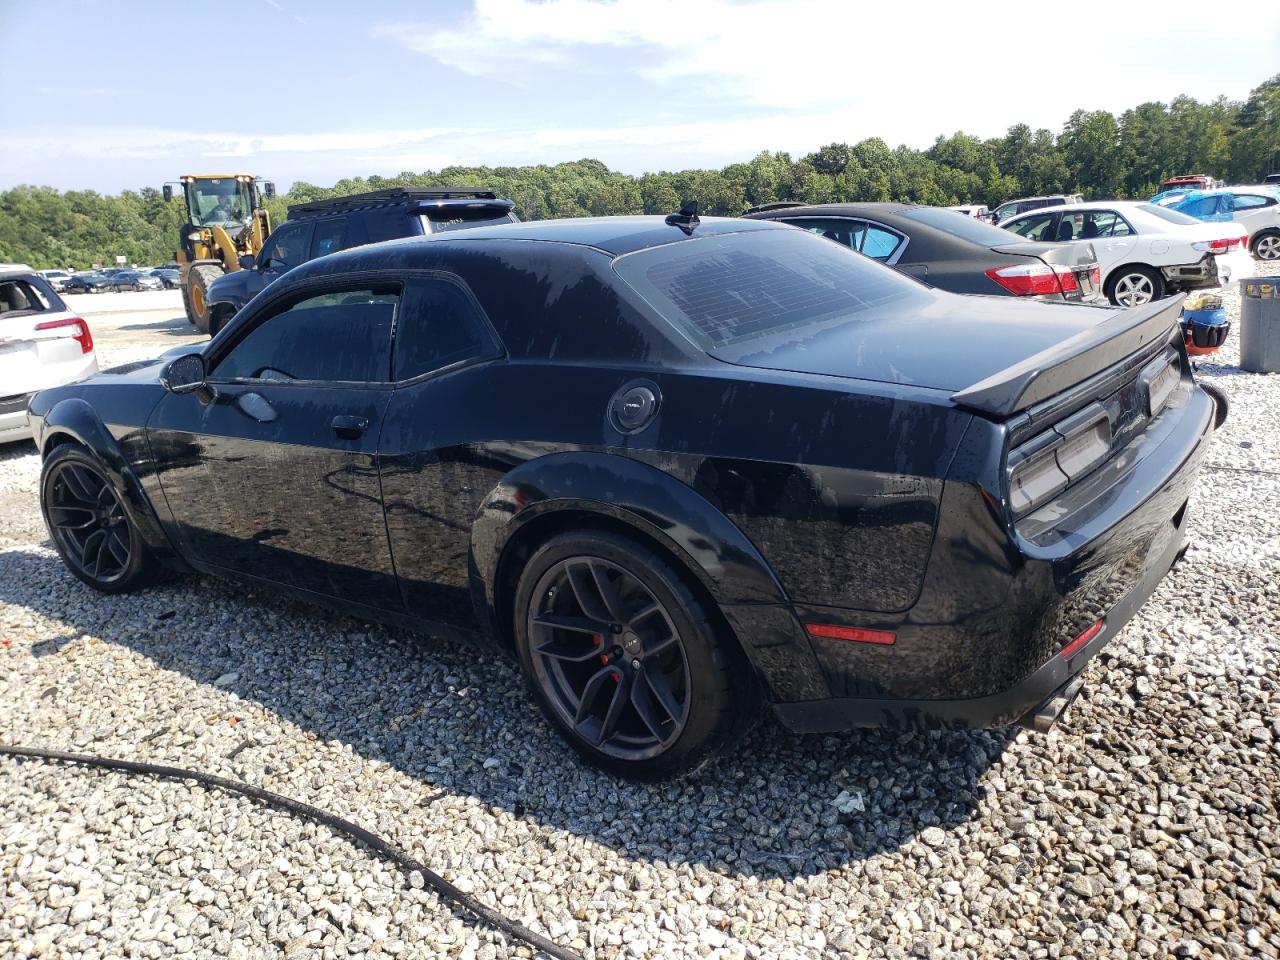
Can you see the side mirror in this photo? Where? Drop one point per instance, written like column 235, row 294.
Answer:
column 167, row 189
column 185, row 374
column 247, row 262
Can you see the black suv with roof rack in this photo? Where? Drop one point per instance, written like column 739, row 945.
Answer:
column 326, row 226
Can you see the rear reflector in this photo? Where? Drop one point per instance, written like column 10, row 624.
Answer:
column 1034, row 279
column 1225, row 245
column 856, row 634
column 1072, row 648
column 82, row 334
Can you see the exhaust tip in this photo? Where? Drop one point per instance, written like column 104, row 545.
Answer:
column 1047, row 714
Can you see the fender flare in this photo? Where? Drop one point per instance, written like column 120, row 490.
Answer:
column 75, row 418
column 708, row 543
column 655, row 504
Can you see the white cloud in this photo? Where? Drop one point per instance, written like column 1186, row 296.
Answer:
column 949, row 63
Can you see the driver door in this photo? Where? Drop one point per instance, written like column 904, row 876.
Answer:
column 271, row 472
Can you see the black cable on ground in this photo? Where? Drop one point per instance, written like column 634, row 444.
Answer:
column 445, row 889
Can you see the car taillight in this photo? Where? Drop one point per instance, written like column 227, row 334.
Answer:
column 1225, row 245
column 1095, row 275
column 82, row 334
column 1041, row 468
column 1034, row 280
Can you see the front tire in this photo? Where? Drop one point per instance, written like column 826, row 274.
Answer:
column 1134, row 286
column 90, row 527
column 625, row 659
column 198, row 280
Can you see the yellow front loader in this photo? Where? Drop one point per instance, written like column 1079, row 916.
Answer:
column 225, row 221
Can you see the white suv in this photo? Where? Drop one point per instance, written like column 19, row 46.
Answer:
column 42, row 344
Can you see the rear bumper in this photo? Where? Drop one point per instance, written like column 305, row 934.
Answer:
column 13, row 418
column 1019, row 702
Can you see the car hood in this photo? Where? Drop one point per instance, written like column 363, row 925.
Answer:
column 945, row 341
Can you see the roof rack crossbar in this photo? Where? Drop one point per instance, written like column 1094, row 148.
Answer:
column 393, row 195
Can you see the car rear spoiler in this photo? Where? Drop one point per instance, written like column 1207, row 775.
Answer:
column 1062, row 366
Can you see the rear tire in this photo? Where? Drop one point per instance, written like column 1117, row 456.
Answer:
column 1133, row 286
column 660, row 688
column 90, row 528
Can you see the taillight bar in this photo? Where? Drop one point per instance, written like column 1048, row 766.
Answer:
column 1035, row 279
column 82, row 335
column 1225, row 245
column 834, row 631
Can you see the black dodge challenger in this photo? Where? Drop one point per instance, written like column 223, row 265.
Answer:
column 677, row 468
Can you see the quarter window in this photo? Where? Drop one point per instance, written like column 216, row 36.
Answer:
column 846, row 232
column 1251, row 201
column 879, row 243
column 439, row 326
column 340, row 336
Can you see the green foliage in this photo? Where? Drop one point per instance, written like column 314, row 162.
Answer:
column 1096, row 153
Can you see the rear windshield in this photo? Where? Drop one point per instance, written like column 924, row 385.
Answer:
column 458, row 218
column 958, row 225
column 23, row 296
column 1164, row 213
column 730, row 288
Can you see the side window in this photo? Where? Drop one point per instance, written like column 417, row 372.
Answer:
column 330, row 237
column 1105, row 223
column 847, row 232
column 342, row 336
column 1070, row 227
column 388, row 223
column 879, row 243
column 439, row 325
column 1251, row 201
column 1033, row 228
column 287, row 246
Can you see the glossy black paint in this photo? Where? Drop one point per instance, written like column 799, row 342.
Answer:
column 805, row 486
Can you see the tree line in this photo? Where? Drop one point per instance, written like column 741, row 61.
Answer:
column 1096, row 153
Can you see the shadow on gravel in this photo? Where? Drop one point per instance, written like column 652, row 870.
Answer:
column 176, row 326
column 456, row 717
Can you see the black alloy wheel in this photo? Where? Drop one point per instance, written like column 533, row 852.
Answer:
column 627, row 657
column 90, row 527
column 608, row 655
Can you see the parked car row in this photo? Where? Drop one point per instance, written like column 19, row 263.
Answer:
column 1256, row 208
column 112, row 279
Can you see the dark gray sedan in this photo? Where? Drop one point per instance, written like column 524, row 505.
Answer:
column 950, row 251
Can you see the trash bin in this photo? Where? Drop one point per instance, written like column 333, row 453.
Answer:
column 1260, row 324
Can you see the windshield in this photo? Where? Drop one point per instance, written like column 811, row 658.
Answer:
column 958, row 225
column 218, row 200
column 1164, row 213
column 730, row 288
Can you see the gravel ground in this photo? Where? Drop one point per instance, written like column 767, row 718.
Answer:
column 1145, row 825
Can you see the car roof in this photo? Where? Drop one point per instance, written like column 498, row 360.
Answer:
column 1046, row 196
column 1079, row 208
column 612, row 235
column 14, row 269
column 835, row 210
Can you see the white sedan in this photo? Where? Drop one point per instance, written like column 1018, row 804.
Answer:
column 1145, row 252
column 42, row 344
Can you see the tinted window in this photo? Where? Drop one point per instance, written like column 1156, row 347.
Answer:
column 330, row 237
column 287, row 247
column 726, row 289
column 1035, row 227
column 458, row 218
column 438, row 326
column 958, row 225
column 341, row 336
column 387, row 223
column 17, row 296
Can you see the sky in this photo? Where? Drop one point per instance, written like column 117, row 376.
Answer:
column 128, row 94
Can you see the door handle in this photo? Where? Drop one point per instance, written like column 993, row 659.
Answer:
column 345, row 425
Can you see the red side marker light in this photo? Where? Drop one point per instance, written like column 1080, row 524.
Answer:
column 856, row 634
column 1074, row 646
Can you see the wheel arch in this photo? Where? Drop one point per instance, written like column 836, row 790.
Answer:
column 607, row 491
column 73, row 421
